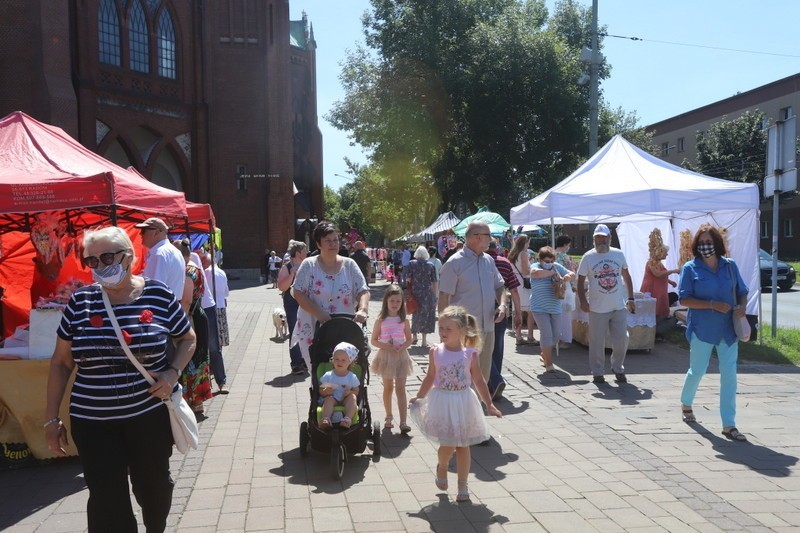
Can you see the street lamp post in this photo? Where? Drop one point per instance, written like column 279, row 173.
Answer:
column 594, row 74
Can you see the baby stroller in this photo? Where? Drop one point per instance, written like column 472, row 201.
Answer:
column 339, row 441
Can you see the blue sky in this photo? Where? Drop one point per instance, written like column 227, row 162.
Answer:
column 654, row 79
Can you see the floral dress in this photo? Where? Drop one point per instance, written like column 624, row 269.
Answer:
column 451, row 414
column 196, row 378
column 423, row 275
column 336, row 293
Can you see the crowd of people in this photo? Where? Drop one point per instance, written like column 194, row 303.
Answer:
column 470, row 286
column 177, row 325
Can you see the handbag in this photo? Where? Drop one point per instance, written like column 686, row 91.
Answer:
column 740, row 324
column 185, row 432
column 569, row 298
column 559, row 288
column 526, row 280
column 412, row 305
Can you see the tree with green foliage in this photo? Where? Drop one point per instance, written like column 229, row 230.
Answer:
column 467, row 101
column 733, row 149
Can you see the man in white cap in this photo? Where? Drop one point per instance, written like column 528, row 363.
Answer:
column 164, row 262
column 608, row 304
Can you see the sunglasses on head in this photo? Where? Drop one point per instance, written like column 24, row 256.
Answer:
column 106, row 258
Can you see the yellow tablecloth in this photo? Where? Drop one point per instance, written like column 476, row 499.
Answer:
column 23, row 394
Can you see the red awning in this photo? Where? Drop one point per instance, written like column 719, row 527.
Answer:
column 44, row 169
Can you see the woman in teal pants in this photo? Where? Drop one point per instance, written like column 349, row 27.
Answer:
column 707, row 287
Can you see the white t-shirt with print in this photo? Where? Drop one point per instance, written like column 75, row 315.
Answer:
column 603, row 272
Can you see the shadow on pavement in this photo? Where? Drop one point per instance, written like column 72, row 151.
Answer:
column 489, row 458
column 559, row 378
column 26, row 491
column 508, row 408
column 624, row 393
column 761, row 459
column 447, row 515
column 314, row 471
column 285, row 381
column 393, row 444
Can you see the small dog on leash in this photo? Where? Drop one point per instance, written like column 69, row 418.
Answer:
column 279, row 320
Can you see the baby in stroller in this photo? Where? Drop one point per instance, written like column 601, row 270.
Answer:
column 339, row 386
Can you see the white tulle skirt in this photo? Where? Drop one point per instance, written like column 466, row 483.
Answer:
column 450, row 418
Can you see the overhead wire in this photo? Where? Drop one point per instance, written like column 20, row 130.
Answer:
column 722, row 48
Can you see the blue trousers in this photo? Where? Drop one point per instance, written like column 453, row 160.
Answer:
column 291, row 307
column 699, row 356
column 495, row 377
column 214, row 349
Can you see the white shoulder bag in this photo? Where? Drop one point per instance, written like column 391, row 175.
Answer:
column 185, row 432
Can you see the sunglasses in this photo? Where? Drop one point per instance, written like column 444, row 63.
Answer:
column 106, row 258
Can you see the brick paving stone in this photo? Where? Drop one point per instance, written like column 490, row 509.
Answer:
column 629, row 518
column 566, row 457
column 566, row 523
column 524, row 527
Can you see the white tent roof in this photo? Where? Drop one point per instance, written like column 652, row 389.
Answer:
column 623, row 183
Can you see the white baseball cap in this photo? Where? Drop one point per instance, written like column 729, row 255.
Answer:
column 601, row 229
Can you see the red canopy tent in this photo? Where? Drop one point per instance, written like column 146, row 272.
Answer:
column 46, row 174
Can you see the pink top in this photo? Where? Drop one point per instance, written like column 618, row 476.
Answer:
column 453, row 368
column 393, row 331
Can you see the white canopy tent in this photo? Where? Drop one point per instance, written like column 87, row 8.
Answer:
column 621, row 183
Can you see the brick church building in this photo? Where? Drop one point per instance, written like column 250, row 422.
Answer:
column 216, row 98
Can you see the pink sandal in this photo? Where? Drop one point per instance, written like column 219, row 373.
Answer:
column 325, row 423
column 345, row 423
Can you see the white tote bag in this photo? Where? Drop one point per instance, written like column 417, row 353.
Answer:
column 568, row 305
column 185, row 432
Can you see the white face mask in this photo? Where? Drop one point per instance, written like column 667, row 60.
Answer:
column 111, row 275
column 547, row 266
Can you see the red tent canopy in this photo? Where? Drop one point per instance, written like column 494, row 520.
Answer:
column 44, row 169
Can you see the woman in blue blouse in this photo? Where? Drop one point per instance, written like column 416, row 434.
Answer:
column 706, row 288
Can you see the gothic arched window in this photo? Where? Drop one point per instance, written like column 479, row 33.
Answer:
column 138, row 39
column 108, row 32
column 166, row 46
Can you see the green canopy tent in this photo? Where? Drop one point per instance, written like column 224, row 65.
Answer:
column 497, row 224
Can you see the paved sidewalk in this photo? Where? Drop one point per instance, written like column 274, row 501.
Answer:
column 567, row 456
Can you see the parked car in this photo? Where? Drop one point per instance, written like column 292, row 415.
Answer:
column 786, row 273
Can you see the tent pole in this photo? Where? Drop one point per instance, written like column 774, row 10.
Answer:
column 211, row 236
column 552, row 233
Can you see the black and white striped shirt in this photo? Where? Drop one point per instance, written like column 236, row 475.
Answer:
column 107, row 385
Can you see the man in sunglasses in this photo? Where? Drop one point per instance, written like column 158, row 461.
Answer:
column 163, row 262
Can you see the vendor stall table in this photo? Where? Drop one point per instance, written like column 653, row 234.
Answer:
column 641, row 326
column 23, row 393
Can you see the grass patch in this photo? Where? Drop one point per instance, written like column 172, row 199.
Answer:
column 784, row 349
column 795, row 264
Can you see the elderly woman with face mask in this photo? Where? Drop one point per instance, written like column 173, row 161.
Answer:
column 119, row 422
column 544, row 304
